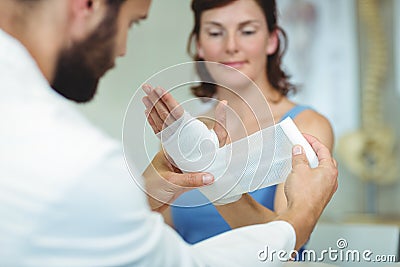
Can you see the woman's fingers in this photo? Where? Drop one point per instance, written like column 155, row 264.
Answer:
column 173, row 106
column 152, row 116
column 151, row 122
column 161, row 108
column 158, row 104
column 147, row 88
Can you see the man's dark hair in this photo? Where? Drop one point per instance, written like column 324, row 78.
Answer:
column 115, row 2
column 109, row 2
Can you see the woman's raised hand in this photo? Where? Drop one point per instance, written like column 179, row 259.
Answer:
column 162, row 110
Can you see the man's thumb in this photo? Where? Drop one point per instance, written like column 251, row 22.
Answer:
column 298, row 156
column 192, row 179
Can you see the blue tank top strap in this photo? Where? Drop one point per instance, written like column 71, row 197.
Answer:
column 295, row 111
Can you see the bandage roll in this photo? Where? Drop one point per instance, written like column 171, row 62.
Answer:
column 296, row 138
column 260, row 160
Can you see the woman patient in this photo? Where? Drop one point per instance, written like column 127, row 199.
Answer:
column 242, row 34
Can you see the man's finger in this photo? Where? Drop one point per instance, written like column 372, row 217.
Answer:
column 220, row 124
column 191, row 179
column 323, row 153
column 298, row 156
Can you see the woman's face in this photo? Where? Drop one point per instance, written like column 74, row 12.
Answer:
column 237, row 35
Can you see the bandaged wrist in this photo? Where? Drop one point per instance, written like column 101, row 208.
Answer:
column 192, row 146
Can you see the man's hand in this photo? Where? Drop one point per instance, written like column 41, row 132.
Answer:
column 308, row 190
column 309, row 187
column 165, row 183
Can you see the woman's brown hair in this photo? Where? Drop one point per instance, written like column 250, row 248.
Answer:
column 276, row 76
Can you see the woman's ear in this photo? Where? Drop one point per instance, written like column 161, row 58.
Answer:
column 273, row 42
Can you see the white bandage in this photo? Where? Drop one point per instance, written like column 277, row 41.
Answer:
column 193, row 147
column 257, row 161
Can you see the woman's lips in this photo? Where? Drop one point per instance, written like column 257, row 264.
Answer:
column 234, row 64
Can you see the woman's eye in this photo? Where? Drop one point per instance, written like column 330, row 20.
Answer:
column 248, row 31
column 215, row 33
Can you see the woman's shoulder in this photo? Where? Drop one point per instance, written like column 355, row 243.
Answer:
column 311, row 117
column 311, row 122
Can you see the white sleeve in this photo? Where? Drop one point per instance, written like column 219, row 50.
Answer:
column 256, row 245
column 105, row 221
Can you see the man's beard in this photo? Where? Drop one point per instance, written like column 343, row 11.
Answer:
column 80, row 67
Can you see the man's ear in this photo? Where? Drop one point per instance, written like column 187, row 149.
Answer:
column 85, row 16
column 273, row 42
column 82, row 8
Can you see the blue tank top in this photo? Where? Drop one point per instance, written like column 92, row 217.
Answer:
column 195, row 224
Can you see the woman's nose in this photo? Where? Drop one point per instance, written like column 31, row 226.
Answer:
column 231, row 44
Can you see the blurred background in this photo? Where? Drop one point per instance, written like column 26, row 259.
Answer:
column 345, row 56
